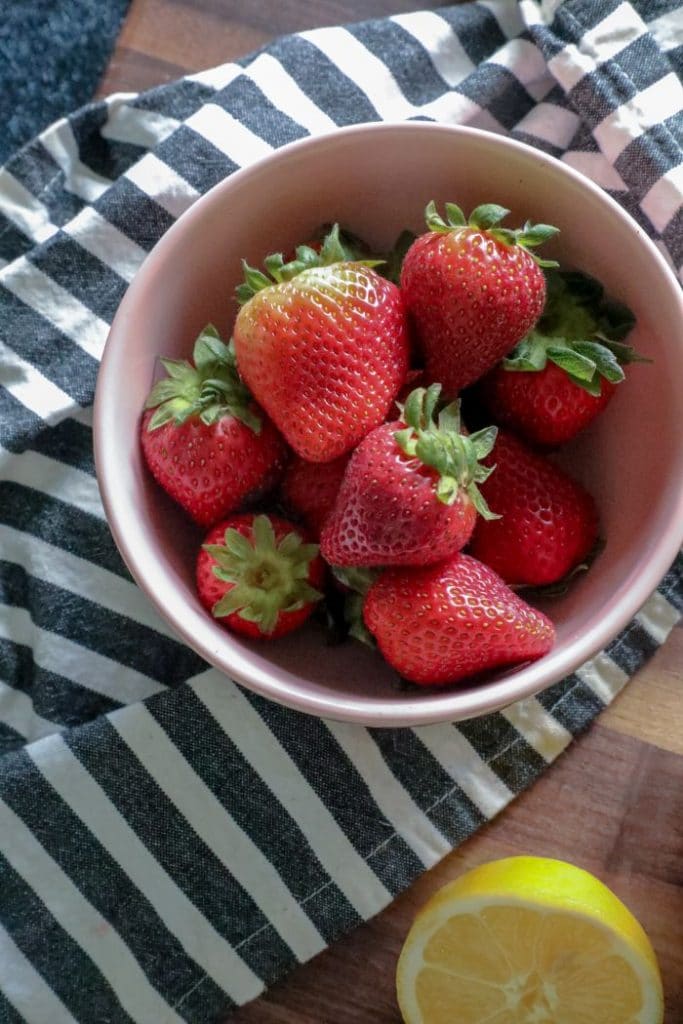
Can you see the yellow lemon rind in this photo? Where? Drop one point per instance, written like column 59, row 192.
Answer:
column 538, row 884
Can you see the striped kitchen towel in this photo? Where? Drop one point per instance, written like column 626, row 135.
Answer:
column 169, row 843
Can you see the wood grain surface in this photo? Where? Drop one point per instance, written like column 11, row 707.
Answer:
column 163, row 39
column 613, row 803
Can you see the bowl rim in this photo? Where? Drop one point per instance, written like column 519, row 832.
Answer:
column 400, row 710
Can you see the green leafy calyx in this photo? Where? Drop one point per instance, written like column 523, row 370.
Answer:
column 487, row 217
column 336, row 247
column 358, row 582
column 580, row 331
column 356, row 579
column 393, row 260
column 209, row 387
column 268, row 576
column 439, row 444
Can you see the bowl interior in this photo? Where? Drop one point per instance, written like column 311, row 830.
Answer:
column 376, row 180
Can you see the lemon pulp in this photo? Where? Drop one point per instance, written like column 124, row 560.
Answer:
column 528, row 940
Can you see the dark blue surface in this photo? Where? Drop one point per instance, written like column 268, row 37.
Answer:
column 52, row 55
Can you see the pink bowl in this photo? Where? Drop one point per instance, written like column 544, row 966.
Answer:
column 376, row 179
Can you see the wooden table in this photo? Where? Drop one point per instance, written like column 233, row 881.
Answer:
column 613, row 803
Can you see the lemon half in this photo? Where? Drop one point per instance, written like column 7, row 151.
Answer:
column 528, row 940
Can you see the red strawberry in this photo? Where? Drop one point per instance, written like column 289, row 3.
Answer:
column 414, row 379
column 323, row 347
column 545, row 407
column 563, row 374
column 309, row 489
column 203, row 436
column 548, row 523
column 257, row 575
column 473, row 290
column 449, row 621
column 409, row 495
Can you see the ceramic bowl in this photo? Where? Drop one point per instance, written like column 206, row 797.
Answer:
column 376, row 180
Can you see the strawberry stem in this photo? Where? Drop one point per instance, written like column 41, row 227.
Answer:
column 268, row 577
column 332, row 250
column 209, row 387
column 394, row 258
column 487, row 217
column 580, row 331
column 358, row 581
column 441, row 446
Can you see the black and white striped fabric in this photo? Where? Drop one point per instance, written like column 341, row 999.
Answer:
column 169, row 843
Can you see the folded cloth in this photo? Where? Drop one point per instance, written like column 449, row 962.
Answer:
column 169, row 843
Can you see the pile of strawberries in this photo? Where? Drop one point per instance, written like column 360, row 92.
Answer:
column 324, row 448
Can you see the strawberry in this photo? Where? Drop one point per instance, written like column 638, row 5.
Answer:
column 446, row 622
column 409, row 495
column 545, row 407
column 309, row 490
column 473, row 290
column 204, row 438
column 565, row 371
column 323, row 346
column 258, row 576
column 548, row 523
column 414, row 379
